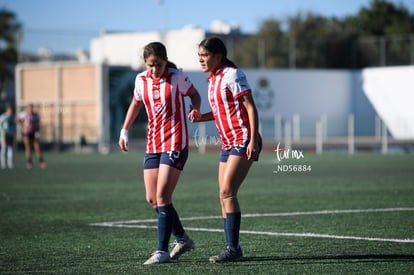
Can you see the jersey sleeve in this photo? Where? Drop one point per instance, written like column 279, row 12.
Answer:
column 184, row 83
column 138, row 89
column 238, row 83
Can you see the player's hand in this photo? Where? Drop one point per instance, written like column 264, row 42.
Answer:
column 194, row 115
column 252, row 150
column 123, row 140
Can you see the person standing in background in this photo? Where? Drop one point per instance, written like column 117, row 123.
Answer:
column 30, row 121
column 7, row 137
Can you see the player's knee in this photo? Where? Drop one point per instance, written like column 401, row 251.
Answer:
column 152, row 202
column 226, row 194
column 163, row 198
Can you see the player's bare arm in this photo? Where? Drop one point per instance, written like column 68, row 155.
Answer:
column 132, row 113
column 194, row 114
column 253, row 147
column 205, row 117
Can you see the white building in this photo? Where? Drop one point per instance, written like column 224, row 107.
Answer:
column 126, row 48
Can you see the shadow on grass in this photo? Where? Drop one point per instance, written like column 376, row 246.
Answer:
column 333, row 258
column 271, row 260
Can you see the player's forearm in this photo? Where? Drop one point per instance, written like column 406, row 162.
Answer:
column 254, row 123
column 132, row 113
column 195, row 99
column 207, row 117
column 253, row 118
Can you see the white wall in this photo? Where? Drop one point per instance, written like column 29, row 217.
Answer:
column 391, row 91
column 310, row 94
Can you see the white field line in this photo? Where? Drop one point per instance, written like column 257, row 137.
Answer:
column 326, row 236
column 327, row 212
column 138, row 224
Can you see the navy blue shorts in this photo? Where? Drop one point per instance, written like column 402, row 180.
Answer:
column 176, row 159
column 238, row 150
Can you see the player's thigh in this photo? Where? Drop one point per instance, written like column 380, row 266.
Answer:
column 168, row 177
column 26, row 141
column 150, row 180
column 221, row 172
column 235, row 172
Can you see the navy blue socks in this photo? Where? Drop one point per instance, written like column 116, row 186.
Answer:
column 232, row 229
column 165, row 224
column 178, row 229
column 226, row 232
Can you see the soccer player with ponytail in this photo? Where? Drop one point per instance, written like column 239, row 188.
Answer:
column 162, row 88
column 236, row 117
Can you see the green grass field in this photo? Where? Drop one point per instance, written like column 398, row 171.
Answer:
column 46, row 216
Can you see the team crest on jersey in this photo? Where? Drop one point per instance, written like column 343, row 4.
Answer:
column 156, row 94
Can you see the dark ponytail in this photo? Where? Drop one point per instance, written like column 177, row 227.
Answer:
column 216, row 46
column 158, row 49
column 171, row 65
column 229, row 63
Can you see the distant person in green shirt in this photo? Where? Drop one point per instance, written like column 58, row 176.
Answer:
column 7, row 137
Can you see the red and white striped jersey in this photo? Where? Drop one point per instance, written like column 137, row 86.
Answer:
column 231, row 116
column 165, row 106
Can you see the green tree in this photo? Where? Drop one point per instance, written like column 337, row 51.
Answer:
column 272, row 40
column 10, row 33
column 320, row 42
column 384, row 30
column 266, row 49
column 378, row 31
column 383, row 18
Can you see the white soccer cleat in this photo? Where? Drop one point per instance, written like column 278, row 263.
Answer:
column 158, row 257
column 180, row 247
